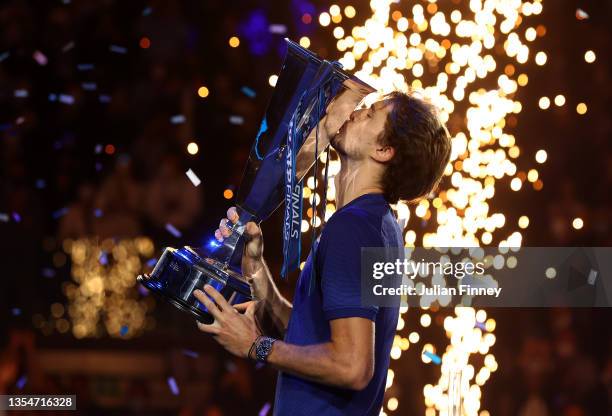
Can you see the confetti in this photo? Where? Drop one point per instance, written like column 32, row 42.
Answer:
column 40, row 58
column 592, row 277
column 89, row 86
column 124, row 330
column 434, row 357
column 193, row 177
column 581, row 14
column 21, row 93
column 4, row 217
column 98, row 148
column 4, row 55
column 21, row 382
column 105, row 98
column 277, row 29
column 20, row 120
column 103, row 258
column 98, row 213
column 190, row 353
column 177, row 119
column 40, row 184
column 151, row 262
column 48, row 272
column 85, row 67
column 16, row 217
column 16, row 311
column 249, row 92
column 172, row 230
column 265, row 409
column 118, row 49
column 237, row 120
column 52, row 97
column 66, row 99
column 68, row 46
column 147, row 11
column 173, row 386
column 60, row 213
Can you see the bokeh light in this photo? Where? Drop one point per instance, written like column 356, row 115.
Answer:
column 193, row 148
column 203, row 92
column 234, row 42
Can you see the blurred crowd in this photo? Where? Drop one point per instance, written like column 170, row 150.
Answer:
column 100, row 100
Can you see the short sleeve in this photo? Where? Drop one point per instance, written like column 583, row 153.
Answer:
column 339, row 257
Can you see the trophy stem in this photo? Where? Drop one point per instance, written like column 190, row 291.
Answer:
column 229, row 252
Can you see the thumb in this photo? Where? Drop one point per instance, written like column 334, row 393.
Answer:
column 243, row 307
column 254, row 240
column 252, row 230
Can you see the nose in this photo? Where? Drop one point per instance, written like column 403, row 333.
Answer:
column 354, row 114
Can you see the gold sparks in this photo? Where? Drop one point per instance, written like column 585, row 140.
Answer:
column 444, row 56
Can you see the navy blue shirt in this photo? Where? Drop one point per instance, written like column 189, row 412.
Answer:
column 366, row 221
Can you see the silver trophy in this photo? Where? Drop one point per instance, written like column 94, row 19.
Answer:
column 310, row 94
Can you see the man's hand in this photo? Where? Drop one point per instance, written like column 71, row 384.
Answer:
column 234, row 331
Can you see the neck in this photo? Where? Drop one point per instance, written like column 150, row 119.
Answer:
column 356, row 178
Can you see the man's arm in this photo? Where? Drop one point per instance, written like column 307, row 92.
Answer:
column 273, row 310
column 346, row 361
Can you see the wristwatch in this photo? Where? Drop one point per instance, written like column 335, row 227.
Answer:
column 263, row 346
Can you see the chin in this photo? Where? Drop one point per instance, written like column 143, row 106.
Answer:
column 335, row 142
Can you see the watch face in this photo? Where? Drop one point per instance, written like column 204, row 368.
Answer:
column 263, row 348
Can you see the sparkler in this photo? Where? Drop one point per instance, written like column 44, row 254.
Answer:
column 469, row 64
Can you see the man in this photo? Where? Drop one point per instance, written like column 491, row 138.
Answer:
column 335, row 353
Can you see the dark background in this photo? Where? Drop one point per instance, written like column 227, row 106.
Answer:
column 115, row 149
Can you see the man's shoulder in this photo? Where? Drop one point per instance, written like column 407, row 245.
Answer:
column 353, row 226
column 350, row 217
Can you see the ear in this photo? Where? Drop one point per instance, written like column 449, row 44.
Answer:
column 383, row 153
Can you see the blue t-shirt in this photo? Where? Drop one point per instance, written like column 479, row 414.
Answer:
column 366, row 221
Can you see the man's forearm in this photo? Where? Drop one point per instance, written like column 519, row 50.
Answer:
column 321, row 363
column 275, row 309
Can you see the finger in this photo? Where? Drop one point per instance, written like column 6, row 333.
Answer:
column 218, row 235
column 218, row 298
column 225, row 231
column 209, row 329
column 232, row 215
column 209, row 304
column 242, row 307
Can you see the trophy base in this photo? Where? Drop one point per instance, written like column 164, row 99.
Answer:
column 201, row 316
column 178, row 273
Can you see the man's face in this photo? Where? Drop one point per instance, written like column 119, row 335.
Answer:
column 359, row 135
